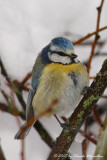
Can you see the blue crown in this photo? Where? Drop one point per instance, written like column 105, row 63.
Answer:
column 59, row 41
column 63, row 43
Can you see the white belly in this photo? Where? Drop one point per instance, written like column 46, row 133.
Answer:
column 72, row 95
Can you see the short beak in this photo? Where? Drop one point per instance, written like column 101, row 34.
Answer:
column 74, row 56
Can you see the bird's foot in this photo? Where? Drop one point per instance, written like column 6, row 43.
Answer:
column 65, row 126
column 84, row 91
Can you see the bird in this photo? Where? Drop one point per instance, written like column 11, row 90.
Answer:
column 56, row 74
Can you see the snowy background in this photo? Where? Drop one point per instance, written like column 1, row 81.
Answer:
column 26, row 26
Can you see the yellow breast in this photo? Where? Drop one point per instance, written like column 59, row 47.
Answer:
column 60, row 68
column 51, row 85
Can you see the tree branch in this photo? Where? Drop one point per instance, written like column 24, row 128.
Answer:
column 80, row 114
column 89, row 35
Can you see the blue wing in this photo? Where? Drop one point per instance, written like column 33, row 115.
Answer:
column 36, row 74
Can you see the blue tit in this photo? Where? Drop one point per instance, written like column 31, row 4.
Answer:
column 57, row 74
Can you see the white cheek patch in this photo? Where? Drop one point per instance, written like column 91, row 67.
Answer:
column 59, row 59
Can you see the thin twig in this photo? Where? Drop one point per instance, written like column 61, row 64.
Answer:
column 88, row 137
column 104, row 96
column 38, row 126
column 3, row 71
column 4, row 95
column 97, row 117
column 22, row 150
column 45, row 136
column 32, row 120
column 11, row 84
column 22, row 83
column 101, row 109
column 84, row 147
column 92, row 77
column 21, row 86
column 26, row 78
column 89, row 35
column 96, row 36
column 8, row 109
column 88, row 42
column 18, row 121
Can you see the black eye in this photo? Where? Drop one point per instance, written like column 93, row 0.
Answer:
column 61, row 54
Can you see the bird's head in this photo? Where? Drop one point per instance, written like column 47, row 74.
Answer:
column 60, row 50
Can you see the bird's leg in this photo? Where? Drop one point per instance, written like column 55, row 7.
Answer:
column 84, row 91
column 63, row 125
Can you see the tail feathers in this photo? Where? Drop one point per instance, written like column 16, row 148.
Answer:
column 23, row 132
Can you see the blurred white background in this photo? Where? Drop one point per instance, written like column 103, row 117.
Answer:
column 26, row 26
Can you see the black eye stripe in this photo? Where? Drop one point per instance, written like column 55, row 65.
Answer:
column 60, row 53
